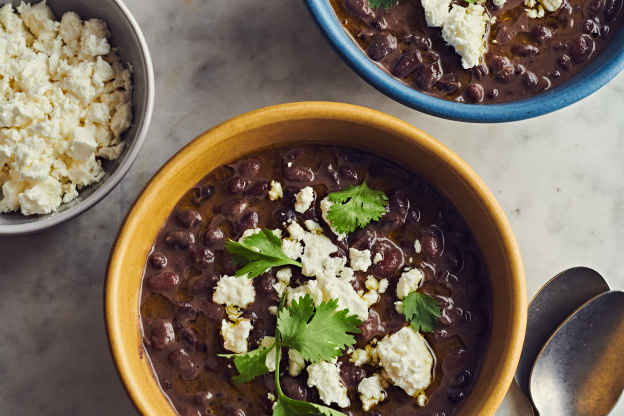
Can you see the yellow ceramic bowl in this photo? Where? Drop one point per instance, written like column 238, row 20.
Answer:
column 337, row 124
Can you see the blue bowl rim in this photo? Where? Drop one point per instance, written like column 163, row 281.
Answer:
column 589, row 80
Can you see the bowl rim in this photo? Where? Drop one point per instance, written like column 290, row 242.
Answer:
column 293, row 112
column 559, row 97
column 125, row 165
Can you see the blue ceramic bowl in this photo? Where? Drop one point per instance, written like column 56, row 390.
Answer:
column 604, row 67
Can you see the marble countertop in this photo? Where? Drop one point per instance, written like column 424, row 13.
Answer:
column 559, row 179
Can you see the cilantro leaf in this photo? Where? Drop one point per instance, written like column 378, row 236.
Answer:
column 376, row 4
column 259, row 252
column 355, row 206
column 286, row 406
column 317, row 334
column 421, row 311
column 249, row 365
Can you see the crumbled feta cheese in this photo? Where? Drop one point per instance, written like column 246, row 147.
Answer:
column 234, row 290
column 271, row 396
column 276, row 191
column 304, row 199
column 499, row 3
column 326, row 205
column 283, row 280
column 296, row 363
column 464, row 29
column 535, row 14
column 273, row 310
column 249, row 232
column 326, row 378
column 551, row 5
column 371, row 297
column 372, row 391
column 436, row 11
column 371, row 282
column 313, row 226
column 409, row 282
column 398, row 306
column 367, row 355
column 315, row 253
column 233, row 312
column 417, row 247
column 270, row 358
column 235, row 335
column 56, row 118
column 359, row 260
column 406, row 360
column 292, row 248
column 383, row 285
column 378, row 257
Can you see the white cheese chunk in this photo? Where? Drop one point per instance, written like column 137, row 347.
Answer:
column 296, row 363
column 372, row 391
column 270, row 358
column 360, row 260
column 41, row 198
column 326, row 205
column 276, row 191
column 283, row 280
column 237, row 291
column 436, row 11
column 83, row 144
column 326, row 378
column 464, row 29
column 551, row 5
column 304, row 199
column 235, row 335
column 408, row 282
column 406, row 360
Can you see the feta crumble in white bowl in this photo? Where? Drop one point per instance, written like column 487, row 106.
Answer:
column 118, row 141
column 316, row 123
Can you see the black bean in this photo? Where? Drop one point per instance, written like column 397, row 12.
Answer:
column 493, row 93
column 181, row 361
column 519, row 69
column 203, row 284
column 474, row 93
column 594, row 7
column 611, row 9
column 524, row 50
column 163, row 282
column 541, row 33
column 351, row 375
column 203, row 194
column 448, row 86
column 398, row 204
column 283, row 215
column 389, row 222
column 162, row 335
column 214, row 237
column 392, row 260
column 290, row 191
column 499, row 62
column 421, row 41
column 413, row 215
column 359, row 8
column 212, row 310
column 589, row 27
column 249, row 168
column 311, row 214
column 455, row 358
column 265, row 284
column 258, row 189
column 454, row 259
column 363, row 239
column 297, row 173
column 379, row 24
column 462, row 379
column 407, row 63
column 189, row 337
column 183, row 308
column 370, row 328
column 250, row 220
column 294, row 388
column 432, row 242
column 428, row 75
column 381, row 46
column 480, row 71
column 158, row 260
column 329, row 170
column 236, row 185
column 234, row 209
column 202, row 257
column 565, row 62
column 581, row 48
column 179, row 239
column 353, row 157
column 188, row 218
column 347, row 173
column 604, row 31
column 507, row 74
column 455, row 395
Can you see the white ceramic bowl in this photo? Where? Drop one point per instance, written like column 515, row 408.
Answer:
column 132, row 49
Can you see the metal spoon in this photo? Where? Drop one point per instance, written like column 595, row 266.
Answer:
column 552, row 305
column 580, row 371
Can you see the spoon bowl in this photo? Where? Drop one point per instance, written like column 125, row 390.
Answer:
column 579, row 371
column 553, row 304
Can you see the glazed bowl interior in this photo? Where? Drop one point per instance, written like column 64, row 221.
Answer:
column 600, row 71
column 132, row 50
column 323, row 123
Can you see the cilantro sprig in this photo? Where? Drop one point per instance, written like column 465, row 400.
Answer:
column 258, row 253
column 355, row 206
column 376, row 4
column 421, row 311
column 317, row 333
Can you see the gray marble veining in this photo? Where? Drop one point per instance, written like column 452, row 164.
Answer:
column 559, row 179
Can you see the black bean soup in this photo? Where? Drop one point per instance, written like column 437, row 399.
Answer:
column 525, row 56
column 181, row 323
